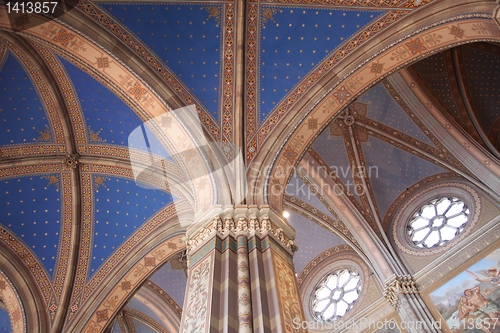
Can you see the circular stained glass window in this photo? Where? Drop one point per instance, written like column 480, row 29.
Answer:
column 336, row 294
column 438, row 221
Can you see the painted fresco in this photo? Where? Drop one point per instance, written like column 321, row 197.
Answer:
column 470, row 302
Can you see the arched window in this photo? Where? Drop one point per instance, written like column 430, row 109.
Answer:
column 438, row 221
column 434, row 219
column 336, row 294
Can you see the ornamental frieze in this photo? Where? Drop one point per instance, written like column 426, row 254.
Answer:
column 241, row 226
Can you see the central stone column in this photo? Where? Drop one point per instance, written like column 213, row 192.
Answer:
column 241, row 276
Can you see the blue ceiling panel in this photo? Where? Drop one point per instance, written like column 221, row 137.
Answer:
column 311, row 240
column 186, row 37
column 140, row 327
column 483, row 82
column 23, row 119
column 433, row 71
column 297, row 188
column 383, row 108
column 108, row 119
column 173, row 281
column 120, row 208
column 5, row 325
column 294, row 40
column 393, row 171
column 31, row 207
column 116, row 328
column 137, row 305
column 332, row 149
column 143, row 139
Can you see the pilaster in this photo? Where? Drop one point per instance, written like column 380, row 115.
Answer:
column 404, row 295
column 241, row 276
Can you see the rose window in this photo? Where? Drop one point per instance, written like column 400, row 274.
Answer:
column 438, row 221
column 336, row 294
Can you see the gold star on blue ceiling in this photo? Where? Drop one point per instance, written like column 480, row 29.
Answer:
column 393, row 171
column 186, row 37
column 383, row 108
column 120, row 208
column 103, row 111
column 31, row 208
column 173, row 281
column 433, row 71
column 22, row 115
column 289, row 50
column 483, row 83
column 311, row 240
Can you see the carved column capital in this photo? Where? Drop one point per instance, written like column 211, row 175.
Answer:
column 401, row 285
column 241, row 221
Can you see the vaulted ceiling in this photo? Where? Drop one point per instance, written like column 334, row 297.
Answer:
column 255, row 71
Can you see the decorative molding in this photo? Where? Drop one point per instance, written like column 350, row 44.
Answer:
column 288, row 295
column 181, row 262
column 409, row 4
column 117, row 294
column 313, row 214
column 164, row 216
column 402, row 285
column 26, row 170
column 12, row 304
column 496, row 15
column 68, row 93
column 142, row 317
column 31, row 261
column 196, row 316
column 32, row 150
column 125, row 171
column 164, row 295
column 48, row 100
column 354, row 150
column 227, row 96
column 247, row 227
column 3, row 54
column 320, row 259
column 252, row 83
column 83, row 262
column 66, row 244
